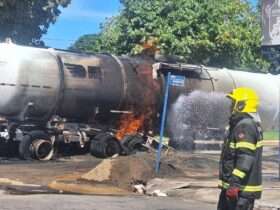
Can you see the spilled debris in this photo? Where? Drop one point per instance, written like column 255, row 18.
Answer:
column 117, row 176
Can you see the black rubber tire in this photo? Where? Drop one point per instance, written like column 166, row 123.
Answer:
column 24, row 148
column 113, row 147
column 104, row 145
column 131, row 143
column 97, row 149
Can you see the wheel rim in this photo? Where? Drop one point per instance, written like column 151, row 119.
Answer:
column 42, row 149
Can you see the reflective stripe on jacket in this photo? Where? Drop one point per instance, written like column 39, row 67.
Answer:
column 241, row 157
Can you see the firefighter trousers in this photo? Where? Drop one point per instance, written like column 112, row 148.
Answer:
column 240, row 204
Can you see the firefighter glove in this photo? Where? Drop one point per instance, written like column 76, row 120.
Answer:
column 232, row 193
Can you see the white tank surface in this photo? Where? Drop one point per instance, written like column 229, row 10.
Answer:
column 29, row 81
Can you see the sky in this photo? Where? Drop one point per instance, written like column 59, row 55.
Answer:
column 79, row 18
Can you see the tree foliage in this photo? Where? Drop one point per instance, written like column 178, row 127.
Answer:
column 218, row 33
column 26, row 20
column 111, row 39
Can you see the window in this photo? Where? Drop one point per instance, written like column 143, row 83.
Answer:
column 77, row 71
column 94, row 72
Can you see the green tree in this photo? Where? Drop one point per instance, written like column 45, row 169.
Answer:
column 210, row 32
column 88, row 43
column 26, row 20
column 109, row 40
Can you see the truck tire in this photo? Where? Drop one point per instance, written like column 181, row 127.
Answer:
column 39, row 140
column 104, row 145
column 132, row 143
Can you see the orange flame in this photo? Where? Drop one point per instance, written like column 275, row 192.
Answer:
column 129, row 124
column 150, row 46
column 143, row 104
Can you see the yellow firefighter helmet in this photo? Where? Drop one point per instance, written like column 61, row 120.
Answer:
column 245, row 100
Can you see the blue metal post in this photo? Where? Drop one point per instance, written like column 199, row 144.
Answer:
column 279, row 134
column 163, row 119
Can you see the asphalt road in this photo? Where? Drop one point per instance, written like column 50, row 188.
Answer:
column 73, row 202
column 42, row 173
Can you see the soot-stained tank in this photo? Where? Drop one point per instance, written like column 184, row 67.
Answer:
column 38, row 83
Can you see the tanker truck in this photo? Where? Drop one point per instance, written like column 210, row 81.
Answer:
column 53, row 96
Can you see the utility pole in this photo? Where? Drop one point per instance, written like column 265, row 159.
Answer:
column 271, row 47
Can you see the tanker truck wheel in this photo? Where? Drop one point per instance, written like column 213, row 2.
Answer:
column 104, row 145
column 36, row 145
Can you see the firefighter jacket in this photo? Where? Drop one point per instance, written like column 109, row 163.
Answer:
column 240, row 163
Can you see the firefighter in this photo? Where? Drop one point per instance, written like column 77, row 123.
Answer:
column 240, row 163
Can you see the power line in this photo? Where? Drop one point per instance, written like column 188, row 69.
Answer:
column 67, row 40
column 59, row 39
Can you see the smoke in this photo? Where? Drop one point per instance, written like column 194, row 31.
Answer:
column 199, row 115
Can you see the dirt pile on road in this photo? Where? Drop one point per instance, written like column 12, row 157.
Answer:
column 124, row 172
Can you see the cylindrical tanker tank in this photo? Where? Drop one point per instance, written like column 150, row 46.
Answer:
column 37, row 83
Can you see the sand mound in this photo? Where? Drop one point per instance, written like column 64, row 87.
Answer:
column 125, row 171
